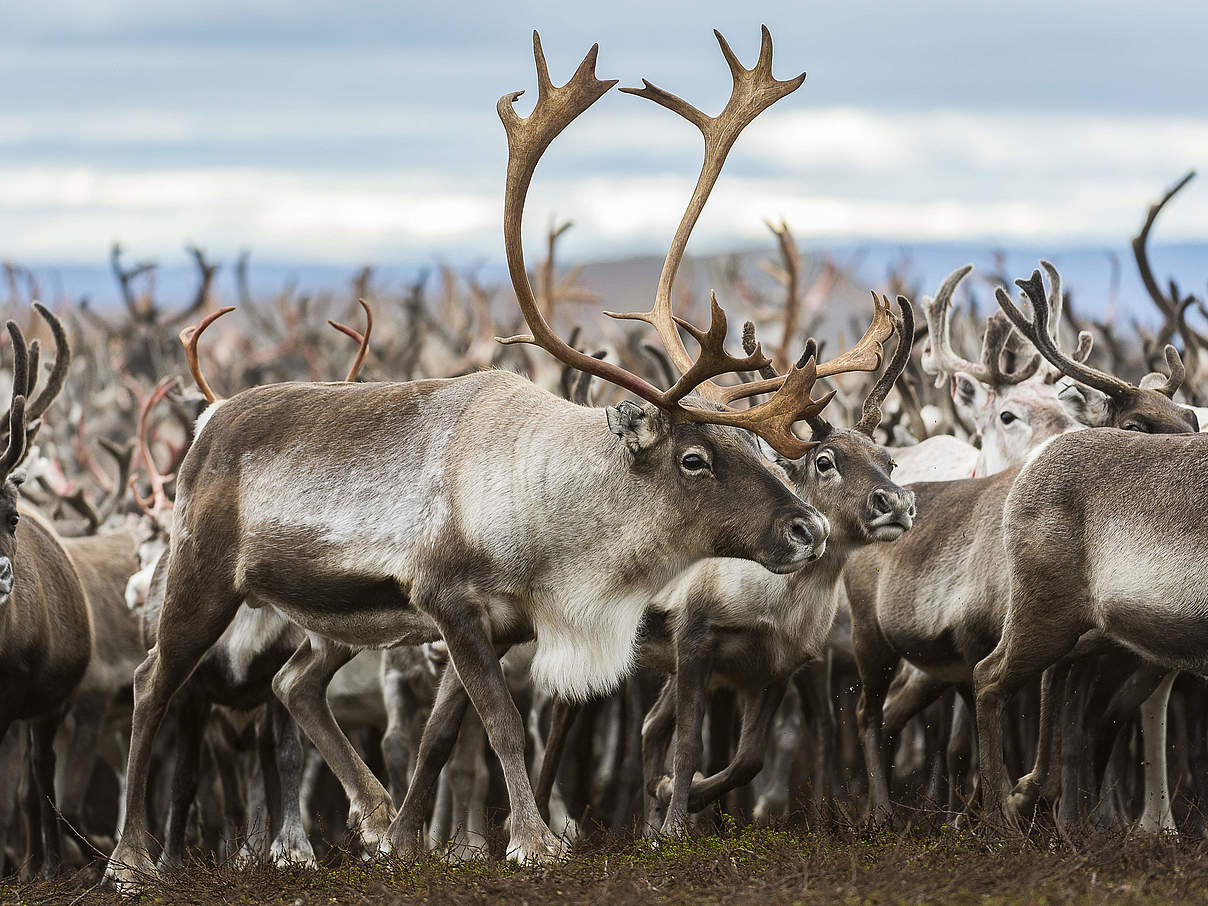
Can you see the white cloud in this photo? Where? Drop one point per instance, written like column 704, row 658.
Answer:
column 624, row 177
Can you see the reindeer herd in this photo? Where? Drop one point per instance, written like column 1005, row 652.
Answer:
column 267, row 624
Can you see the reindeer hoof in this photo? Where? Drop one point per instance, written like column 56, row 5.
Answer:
column 539, row 848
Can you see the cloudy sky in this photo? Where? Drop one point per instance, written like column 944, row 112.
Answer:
column 339, row 133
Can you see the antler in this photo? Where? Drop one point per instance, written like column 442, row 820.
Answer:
column 58, row 374
column 866, row 355
column 14, row 451
column 754, row 90
column 994, row 344
column 1140, row 245
column 939, row 358
column 1037, row 331
column 159, row 500
column 870, row 415
column 362, row 339
column 188, row 338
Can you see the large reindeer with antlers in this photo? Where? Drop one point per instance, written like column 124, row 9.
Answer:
column 505, row 511
column 936, row 599
column 45, row 625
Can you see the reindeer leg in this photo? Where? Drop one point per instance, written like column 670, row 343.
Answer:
column 694, row 665
column 657, row 728
column 436, row 743
column 1157, row 817
column 42, row 755
column 877, row 664
column 399, row 703
column 291, row 845
column 758, row 712
column 195, row 613
column 813, row 683
column 190, row 715
column 301, row 685
column 1021, row 653
column 1029, row 788
column 477, row 663
column 562, row 715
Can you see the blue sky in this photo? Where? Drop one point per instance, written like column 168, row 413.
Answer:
column 339, row 133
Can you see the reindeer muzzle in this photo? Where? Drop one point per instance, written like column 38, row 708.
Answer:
column 892, row 513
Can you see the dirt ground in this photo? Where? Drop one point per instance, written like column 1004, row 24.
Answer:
column 742, row 866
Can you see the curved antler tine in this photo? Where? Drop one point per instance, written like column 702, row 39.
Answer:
column 994, row 344
column 1178, row 373
column 188, row 338
column 528, row 137
column 58, row 372
column 1140, row 246
column 17, row 444
column 751, row 346
column 1086, row 342
column 870, row 416
column 869, row 352
column 35, row 361
column 159, row 499
column 1056, row 300
column 361, row 339
column 1037, row 332
column 754, row 90
column 939, row 358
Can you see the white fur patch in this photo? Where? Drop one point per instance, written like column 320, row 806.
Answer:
column 204, row 418
column 250, row 633
column 586, row 643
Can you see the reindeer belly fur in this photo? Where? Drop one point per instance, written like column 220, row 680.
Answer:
column 1151, row 594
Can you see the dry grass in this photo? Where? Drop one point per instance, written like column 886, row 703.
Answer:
column 741, row 866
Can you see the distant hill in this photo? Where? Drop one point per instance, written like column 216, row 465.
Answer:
column 630, row 282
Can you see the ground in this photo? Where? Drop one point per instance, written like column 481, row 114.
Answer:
column 742, row 866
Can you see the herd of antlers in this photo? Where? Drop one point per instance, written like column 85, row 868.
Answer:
column 915, row 535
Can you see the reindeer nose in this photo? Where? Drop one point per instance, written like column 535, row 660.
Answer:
column 881, row 501
column 810, row 533
column 6, row 576
column 897, row 502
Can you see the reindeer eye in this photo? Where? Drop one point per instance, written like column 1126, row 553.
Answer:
column 1133, row 426
column 1007, row 417
column 12, row 522
column 824, row 464
column 694, row 462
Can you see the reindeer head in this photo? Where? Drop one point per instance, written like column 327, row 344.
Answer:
column 1101, row 399
column 847, row 475
column 1012, row 411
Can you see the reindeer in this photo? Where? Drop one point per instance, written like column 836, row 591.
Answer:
column 935, row 600
column 1084, row 559
column 237, row 670
column 599, row 511
column 739, row 625
column 45, row 625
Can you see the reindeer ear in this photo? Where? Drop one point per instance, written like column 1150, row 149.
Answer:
column 638, row 428
column 17, row 477
column 1089, row 406
column 970, row 395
